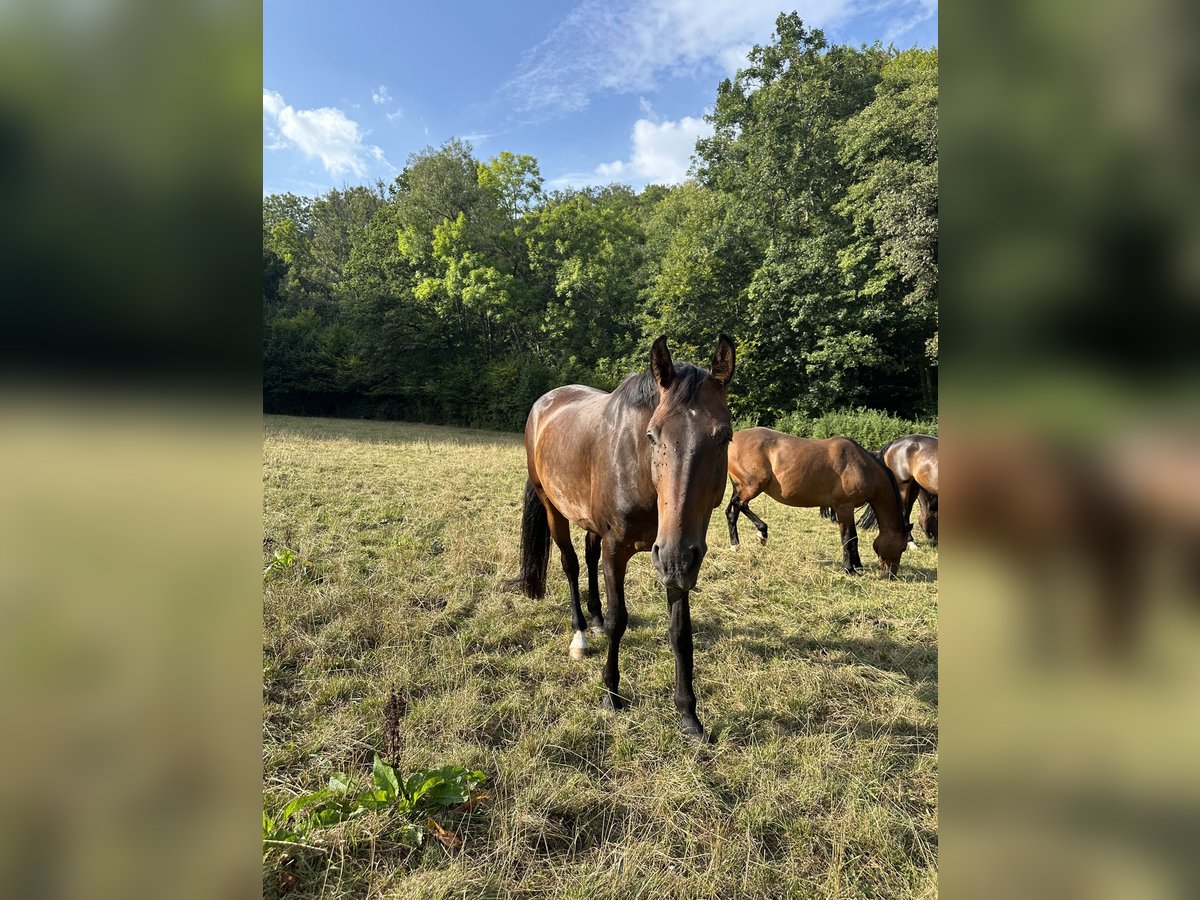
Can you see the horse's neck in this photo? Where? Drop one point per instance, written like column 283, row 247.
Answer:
column 885, row 500
column 622, row 449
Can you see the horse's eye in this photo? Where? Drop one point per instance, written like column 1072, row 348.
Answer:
column 650, row 436
column 725, row 436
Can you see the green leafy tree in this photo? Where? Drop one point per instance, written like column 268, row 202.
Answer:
column 587, row 247
column 891, row 147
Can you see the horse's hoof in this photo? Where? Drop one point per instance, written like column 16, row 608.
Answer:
column 578, row 646
column 597, row 628
column 912, row 545
column 612, row 703
column 694, row 731
column 735, row 547
column 762, row 539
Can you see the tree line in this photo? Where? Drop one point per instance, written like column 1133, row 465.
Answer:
column 464, row 289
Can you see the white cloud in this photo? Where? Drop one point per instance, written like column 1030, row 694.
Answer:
column 393, row 116
column 325, row 133
column 661, row 151
column 380, row 96
column 734, row 58
column 626, row 46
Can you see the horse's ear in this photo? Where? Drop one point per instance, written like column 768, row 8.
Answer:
column 723, row 361
column 660, row 363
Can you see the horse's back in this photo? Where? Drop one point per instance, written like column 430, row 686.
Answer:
column 914, row 457
column 794, row 470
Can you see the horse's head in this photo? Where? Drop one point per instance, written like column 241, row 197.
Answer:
column 689, row 433
column 889, row 546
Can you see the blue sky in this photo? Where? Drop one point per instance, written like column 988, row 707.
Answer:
column 599, row 91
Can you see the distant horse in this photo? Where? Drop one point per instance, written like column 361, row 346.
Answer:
column 639, row 469
column 835, row 473
column 914, row 462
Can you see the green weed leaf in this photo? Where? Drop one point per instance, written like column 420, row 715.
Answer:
column 385, row 776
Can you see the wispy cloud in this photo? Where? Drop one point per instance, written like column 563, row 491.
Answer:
column 397, row 114
column 627, row 46
column 380, row 96
column 325, row 133
column 475, row 139
column 908, row 16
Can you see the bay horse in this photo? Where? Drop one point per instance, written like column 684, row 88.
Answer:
column 914, row 461
column 836, row 473
column 639, row 469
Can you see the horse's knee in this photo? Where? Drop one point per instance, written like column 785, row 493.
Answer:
column 614, row 626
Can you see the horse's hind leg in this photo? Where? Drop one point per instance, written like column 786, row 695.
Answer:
column 758, row 523
column 851, row 561
column 560, row 531
column 929, row 516
column 591, row 553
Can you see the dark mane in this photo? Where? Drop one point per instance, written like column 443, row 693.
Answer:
column 878, row 458
column 640, row 388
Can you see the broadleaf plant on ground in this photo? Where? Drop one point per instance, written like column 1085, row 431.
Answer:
column 413, row 799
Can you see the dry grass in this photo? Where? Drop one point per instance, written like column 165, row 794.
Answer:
column 820, row 688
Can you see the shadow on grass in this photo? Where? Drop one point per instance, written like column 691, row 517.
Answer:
column 916, row 662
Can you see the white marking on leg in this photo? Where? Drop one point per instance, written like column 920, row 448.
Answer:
column 578, row 645
column 912, row 545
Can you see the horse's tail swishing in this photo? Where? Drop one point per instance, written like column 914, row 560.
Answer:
column 535, row 547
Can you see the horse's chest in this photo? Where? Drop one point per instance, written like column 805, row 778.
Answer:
column 631, row 523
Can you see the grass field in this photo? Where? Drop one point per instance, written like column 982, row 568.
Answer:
column 820, row 689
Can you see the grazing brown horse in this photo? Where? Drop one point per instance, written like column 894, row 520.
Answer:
column 835, row 473
column 639, row 469
column 914, row 462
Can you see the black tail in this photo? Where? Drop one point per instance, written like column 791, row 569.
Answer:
column 866, row 518
column 535, row 547
column 828, row 513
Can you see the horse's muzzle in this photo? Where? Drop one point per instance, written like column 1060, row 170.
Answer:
column 678, row 564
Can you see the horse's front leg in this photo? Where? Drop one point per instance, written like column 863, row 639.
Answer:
column 679, row 630
column 731, row 516
column 851, row 561
column 615, row 559
column 910, row 491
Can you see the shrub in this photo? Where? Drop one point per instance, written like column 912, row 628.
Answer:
column 870, row 427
